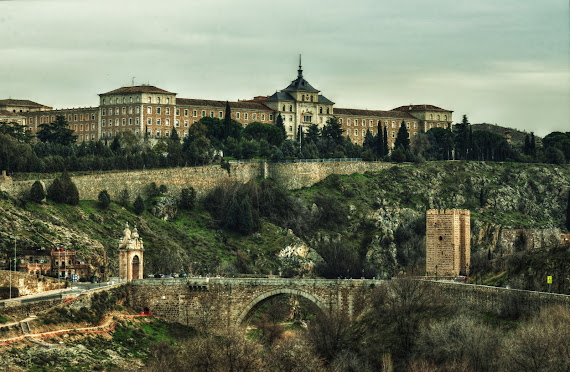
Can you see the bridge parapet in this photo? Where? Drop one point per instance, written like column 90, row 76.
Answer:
column 187, row 300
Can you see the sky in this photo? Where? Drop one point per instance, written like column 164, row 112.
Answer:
column 502, row 62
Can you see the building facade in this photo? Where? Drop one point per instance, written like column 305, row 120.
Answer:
column 153, row 111
column 448, row 242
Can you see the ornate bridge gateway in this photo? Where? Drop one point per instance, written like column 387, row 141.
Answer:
column 229, row 301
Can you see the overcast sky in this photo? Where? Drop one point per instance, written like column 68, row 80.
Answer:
column 497, row 61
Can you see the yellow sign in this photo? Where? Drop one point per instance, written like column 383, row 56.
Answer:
column 549, row 279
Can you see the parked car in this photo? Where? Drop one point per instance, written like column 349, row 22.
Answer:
column 157, row 276
column 461, row 278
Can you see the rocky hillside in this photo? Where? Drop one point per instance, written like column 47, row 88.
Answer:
column 377, row 219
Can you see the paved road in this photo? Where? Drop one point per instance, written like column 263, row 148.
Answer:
column 77, row 289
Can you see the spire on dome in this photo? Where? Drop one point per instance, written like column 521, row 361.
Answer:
column 300, row 71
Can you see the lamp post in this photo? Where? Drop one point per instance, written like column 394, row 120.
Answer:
column 436, row 273
column 11, row 266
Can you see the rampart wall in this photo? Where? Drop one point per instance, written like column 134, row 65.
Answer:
column 202, row 179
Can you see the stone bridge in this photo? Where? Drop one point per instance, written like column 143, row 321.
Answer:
column 229, row 301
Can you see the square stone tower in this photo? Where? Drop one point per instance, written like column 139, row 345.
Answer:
column 448, row 242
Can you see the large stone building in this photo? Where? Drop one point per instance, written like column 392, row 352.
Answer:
column 448, row 242
column 155, row 111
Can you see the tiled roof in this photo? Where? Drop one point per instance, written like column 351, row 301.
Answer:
column 280, row 96
column 419, row 108
column 221, row 104
column 19, row 102
column 138, row 89
column 323, row 99
column 375, row 113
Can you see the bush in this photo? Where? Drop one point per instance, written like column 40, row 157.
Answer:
column 124, row 198
column 163, row 189
column 56, row 191
column 398, row 155
column 138, row 205
column 152, row 190
column 104, row 199
column 187, row 198
column 37, row 193
column 63, row 190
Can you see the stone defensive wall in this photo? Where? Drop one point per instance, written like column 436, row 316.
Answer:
column 28, row 284
column 202, row 179
column 499, row 300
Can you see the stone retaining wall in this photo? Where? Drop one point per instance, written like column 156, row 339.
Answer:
column 290, row 175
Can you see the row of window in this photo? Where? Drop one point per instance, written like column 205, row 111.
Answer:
column 437, row 117
column 75, row 117
column 75, row 127
column 136, row 99
column 393, row 134
column 104, row 112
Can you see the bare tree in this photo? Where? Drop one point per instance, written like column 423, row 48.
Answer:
column 541, row 344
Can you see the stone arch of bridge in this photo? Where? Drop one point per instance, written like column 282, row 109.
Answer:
column 246, row 313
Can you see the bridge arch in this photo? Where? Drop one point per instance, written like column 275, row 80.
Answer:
column 246, row 313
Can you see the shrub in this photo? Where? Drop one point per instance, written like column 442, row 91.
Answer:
column 187, row 198
column 37, row 193
column 56, row 191
column 104, row 199
column 124, row 198
column 163, row 189
column 398, row 155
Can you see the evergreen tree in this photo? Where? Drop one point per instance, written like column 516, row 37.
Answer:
column 333, row 130
column 37, row 193
column 187, row 198
column 56, row 192
column 386, row 149
column 279, row 124
column 138, row 205
column 70, row 189
column 532, row 145
column 380, row 143
column 104, row 199
column 174, row 150
column 227, row 125
column 124, row 198
column 568, row 213
column 403, row 138
column 369, row 142
column 526, row 148
column 57, row 132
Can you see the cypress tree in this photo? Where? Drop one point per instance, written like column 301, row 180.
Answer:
column 37, row 193
column 279, row 124
column 380, row 143
column 568, row 213
column 138, row 205
column 386, row 150
column 403, row 138
column 104, row 199
column 526, row 148
column 532, row 145
column 56, row 191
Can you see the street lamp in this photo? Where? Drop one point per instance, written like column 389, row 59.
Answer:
column 11, row 266
column 436, row 273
